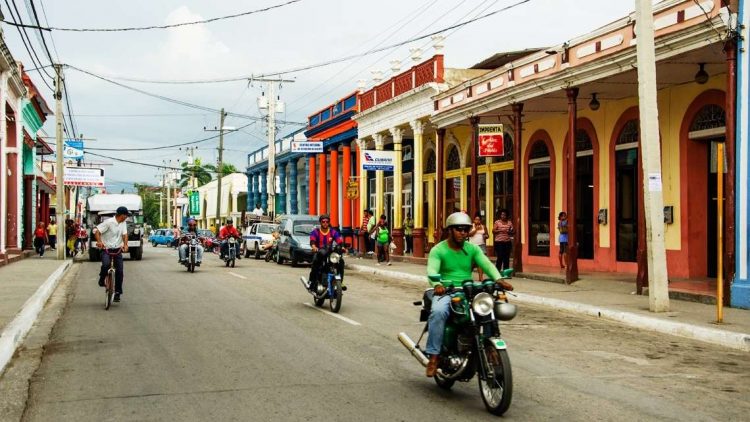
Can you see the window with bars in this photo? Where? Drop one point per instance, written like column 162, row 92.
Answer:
column 709, row 117
column 454, row 159
column 629, row 133
column 430, row 165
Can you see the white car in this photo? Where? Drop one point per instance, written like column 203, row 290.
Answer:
column 256, row 237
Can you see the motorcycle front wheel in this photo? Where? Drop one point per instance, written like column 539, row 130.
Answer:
column 497, row 389
column 335, row 302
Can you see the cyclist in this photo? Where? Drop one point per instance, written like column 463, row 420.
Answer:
column 112, row 236
column 451, row 262
column 224, row 234
column 320, row 238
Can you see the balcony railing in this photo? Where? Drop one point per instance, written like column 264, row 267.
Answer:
column 426, row 72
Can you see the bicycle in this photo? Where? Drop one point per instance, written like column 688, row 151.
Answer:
column 109, row 280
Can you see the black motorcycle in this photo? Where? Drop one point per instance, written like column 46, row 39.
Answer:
column 330, row 283
column 472, row 344
column 231, row 256
column 192, row 254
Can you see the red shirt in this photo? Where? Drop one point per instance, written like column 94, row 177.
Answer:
column 227, row 231
column 40, row 233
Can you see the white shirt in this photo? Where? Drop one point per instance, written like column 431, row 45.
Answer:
column 112, row 232
column 258, row 212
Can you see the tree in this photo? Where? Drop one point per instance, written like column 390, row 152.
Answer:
column 203, row 173
column 150, row 203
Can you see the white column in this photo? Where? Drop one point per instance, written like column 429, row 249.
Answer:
column 417, row 127
column 398, row 181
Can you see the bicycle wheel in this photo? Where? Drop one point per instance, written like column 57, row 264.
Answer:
column 109, row 289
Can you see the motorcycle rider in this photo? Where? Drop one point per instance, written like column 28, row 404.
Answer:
column 320, row 238
column 224, row 234
column 451, row 262
column 192, row 231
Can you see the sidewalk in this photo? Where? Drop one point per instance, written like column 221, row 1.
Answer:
column 25, row 286
column 608, row 299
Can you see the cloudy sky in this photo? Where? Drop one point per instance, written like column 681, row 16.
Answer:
column 299, row 34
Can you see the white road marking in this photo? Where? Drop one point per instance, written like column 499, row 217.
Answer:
column 610, row 355
column 343, row 318
column 238, row 275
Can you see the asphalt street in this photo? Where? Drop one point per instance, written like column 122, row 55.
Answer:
column 245, row 344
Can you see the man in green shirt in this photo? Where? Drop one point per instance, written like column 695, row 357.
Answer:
column 451, row 262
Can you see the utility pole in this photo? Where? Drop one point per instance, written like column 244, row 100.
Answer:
column 658, row 291
column 271, row 132
column 59, row 185
column 220, row 164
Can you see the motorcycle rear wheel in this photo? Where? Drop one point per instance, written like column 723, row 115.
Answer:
column 335, row 302
column 496, row 392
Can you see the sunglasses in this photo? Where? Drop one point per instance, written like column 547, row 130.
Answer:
column 325, row 221
column 464, row 229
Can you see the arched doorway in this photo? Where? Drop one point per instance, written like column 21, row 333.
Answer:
column 707, row 121
column 539, row 205
column 586, row 185
column 627, row 199
column 452, row 184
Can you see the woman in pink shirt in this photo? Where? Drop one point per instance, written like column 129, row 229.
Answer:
column 503, row 231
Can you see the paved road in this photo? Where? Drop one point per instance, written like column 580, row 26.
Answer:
column 241, row 344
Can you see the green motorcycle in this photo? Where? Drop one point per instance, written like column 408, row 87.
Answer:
column 472, row 344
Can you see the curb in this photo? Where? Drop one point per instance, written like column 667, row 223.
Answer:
column 14, row 333
column 733, row 340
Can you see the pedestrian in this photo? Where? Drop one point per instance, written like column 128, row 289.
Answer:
column 258, row 211
column 409, row 233
column 371, row 223
column 40, row 239
column 52, row 234
column 478, row 236
column 562, row 227
column 503, row 232
column 71, row 235
column 383, row 239
column 83, row 238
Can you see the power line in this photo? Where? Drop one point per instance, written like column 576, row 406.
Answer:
column 173, row 100
column 175, row 25
column 30, row 50
column 165, row 146
column 321, row 64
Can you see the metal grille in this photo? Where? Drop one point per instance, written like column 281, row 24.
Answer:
column 629, row 133
column 583, row 141
column 430, row 164
column 539, row 150
column 709, row 117
column 454, row 160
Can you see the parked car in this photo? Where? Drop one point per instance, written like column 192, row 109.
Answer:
column 161, row 237
column 294, row 243
column 257, row 236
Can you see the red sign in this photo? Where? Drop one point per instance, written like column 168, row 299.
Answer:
column 491, row 142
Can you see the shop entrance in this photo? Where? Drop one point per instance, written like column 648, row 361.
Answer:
column 627, row 198
column 540, row 236
column 584, row 195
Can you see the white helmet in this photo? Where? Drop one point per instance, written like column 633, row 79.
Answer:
column 458, row 219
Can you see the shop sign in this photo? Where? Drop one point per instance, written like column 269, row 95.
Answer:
column 195, row 208
column 73, row 150
column 379, row 160
column 491, row 143
column 83, row 176
column 352, row 189
column 307, row 146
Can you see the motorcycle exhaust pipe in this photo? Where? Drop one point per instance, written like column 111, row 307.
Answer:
column 413, row 349
column 303, row 280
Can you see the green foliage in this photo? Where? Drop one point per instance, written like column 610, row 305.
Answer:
column 203, row 173
column 150, row 197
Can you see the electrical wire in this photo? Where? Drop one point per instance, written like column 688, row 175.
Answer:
column 165, row 146
column 175, row 101
column 30, row 50
column 146, row 28
column 320, row 64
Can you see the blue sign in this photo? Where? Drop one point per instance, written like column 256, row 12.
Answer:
column 73, row 149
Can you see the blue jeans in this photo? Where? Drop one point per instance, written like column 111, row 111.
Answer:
column 119, row 274
column 198, row 253
column 441, row 309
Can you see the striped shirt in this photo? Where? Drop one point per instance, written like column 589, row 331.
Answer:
column 503, row 231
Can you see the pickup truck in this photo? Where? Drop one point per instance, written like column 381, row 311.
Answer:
column 103, row 206
column 257, row 236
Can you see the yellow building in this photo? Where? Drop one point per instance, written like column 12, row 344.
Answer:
column 588, row 86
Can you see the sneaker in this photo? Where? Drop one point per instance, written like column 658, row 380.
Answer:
column 378, row 263
column 389, row 263
column 117, row 297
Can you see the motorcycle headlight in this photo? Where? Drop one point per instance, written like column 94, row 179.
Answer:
column 334, row 258
column 137, row 231
column 482, row 304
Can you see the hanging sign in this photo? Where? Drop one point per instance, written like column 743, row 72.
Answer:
column 83, row 176
column 491, row 143
column 73, row 150
column 352, row 189
column 195, row 208
column 379, row 160
column 307, row 146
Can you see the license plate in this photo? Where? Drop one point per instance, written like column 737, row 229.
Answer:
column 499, row 343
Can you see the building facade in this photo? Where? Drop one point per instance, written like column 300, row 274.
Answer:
column 233, row 200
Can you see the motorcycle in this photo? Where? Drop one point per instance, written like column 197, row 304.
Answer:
column 192, row 254
column 331, row 278
column 231, row 254
column 472, row 344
